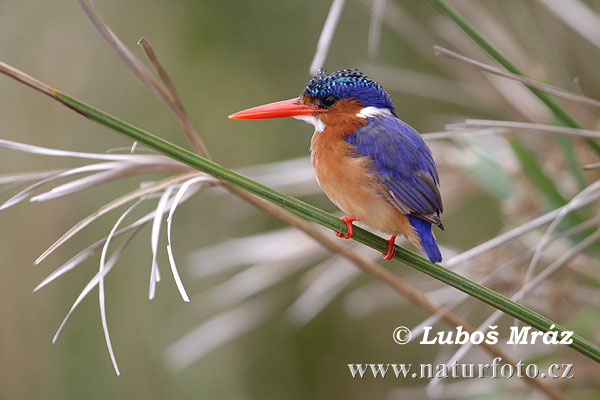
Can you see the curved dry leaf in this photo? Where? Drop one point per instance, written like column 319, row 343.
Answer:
column 157, row 186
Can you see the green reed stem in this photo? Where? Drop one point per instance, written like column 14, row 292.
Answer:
column 562, row 116
column 321, row 217
column 558, row 111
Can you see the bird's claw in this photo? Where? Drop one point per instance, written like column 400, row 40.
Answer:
column 391, row 251
column 348, row 219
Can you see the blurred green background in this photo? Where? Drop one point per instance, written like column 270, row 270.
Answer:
column 223, row 57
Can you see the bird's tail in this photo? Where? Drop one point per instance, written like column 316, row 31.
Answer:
column 426, row 238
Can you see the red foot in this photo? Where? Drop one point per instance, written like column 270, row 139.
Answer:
column 348, row 219
column 391, row 252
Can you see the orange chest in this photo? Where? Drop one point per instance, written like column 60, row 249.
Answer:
column 350, row 184
column 333, row 159
column 342, row 175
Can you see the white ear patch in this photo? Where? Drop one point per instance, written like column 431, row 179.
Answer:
column 311, row 119
column 373, row 112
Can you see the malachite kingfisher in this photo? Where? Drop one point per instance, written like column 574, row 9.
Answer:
column 373, row 166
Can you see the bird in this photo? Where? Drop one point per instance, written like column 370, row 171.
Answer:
column 373, row 166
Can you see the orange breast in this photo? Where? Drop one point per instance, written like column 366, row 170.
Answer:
column 348, row 182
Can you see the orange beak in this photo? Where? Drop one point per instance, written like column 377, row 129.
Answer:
column 280, row 109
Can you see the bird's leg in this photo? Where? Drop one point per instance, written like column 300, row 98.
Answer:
column 391, row 252
column 348, row 219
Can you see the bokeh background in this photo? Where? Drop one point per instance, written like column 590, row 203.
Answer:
column 229, row 55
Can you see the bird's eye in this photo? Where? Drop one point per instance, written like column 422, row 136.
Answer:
column 328, row 101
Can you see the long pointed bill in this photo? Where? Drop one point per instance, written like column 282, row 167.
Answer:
column 280, row 109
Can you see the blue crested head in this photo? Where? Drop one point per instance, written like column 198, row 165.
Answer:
column 345, row 84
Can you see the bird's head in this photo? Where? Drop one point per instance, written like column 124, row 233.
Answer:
column 329, row 99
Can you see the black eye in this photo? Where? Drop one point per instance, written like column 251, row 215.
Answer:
column 328, row 101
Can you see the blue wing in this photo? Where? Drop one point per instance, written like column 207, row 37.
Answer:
column 403, row 163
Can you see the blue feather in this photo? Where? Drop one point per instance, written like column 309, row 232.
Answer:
column 426, row 238
column 403, row 163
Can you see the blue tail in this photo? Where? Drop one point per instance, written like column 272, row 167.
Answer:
column 423, row 229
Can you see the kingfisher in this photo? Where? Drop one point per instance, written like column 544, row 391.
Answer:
column 376, row 168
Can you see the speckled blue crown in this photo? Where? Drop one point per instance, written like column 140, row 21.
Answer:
column 349, row 83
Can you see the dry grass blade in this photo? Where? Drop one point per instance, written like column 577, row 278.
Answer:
column 101, row 295
column 144, row 75
column 134, row 148
column 160, row 209
column 175, row 104
column 537, row 254
column 87, row 182
column 375, row 27
column 327, row 33
column 124, row 53
column 123, row 171
column 513, row 233
column 526, row 126
column 453, row 134
column 431, row 86
column 23, row 194
column 70, row 264
column 45, row 151
column 28, row 176
column 178, row 196
column 406, row 26
column 93, row 282
column 441, row 51
column 26, row 79
column 89, row 251
column 578, row 16
column 114, row 204
column 591, row 166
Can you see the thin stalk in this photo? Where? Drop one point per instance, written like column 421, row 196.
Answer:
column 441, row 51
column 310, row 213
column 564, row 117
column 558, row 111
column 539, row 178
